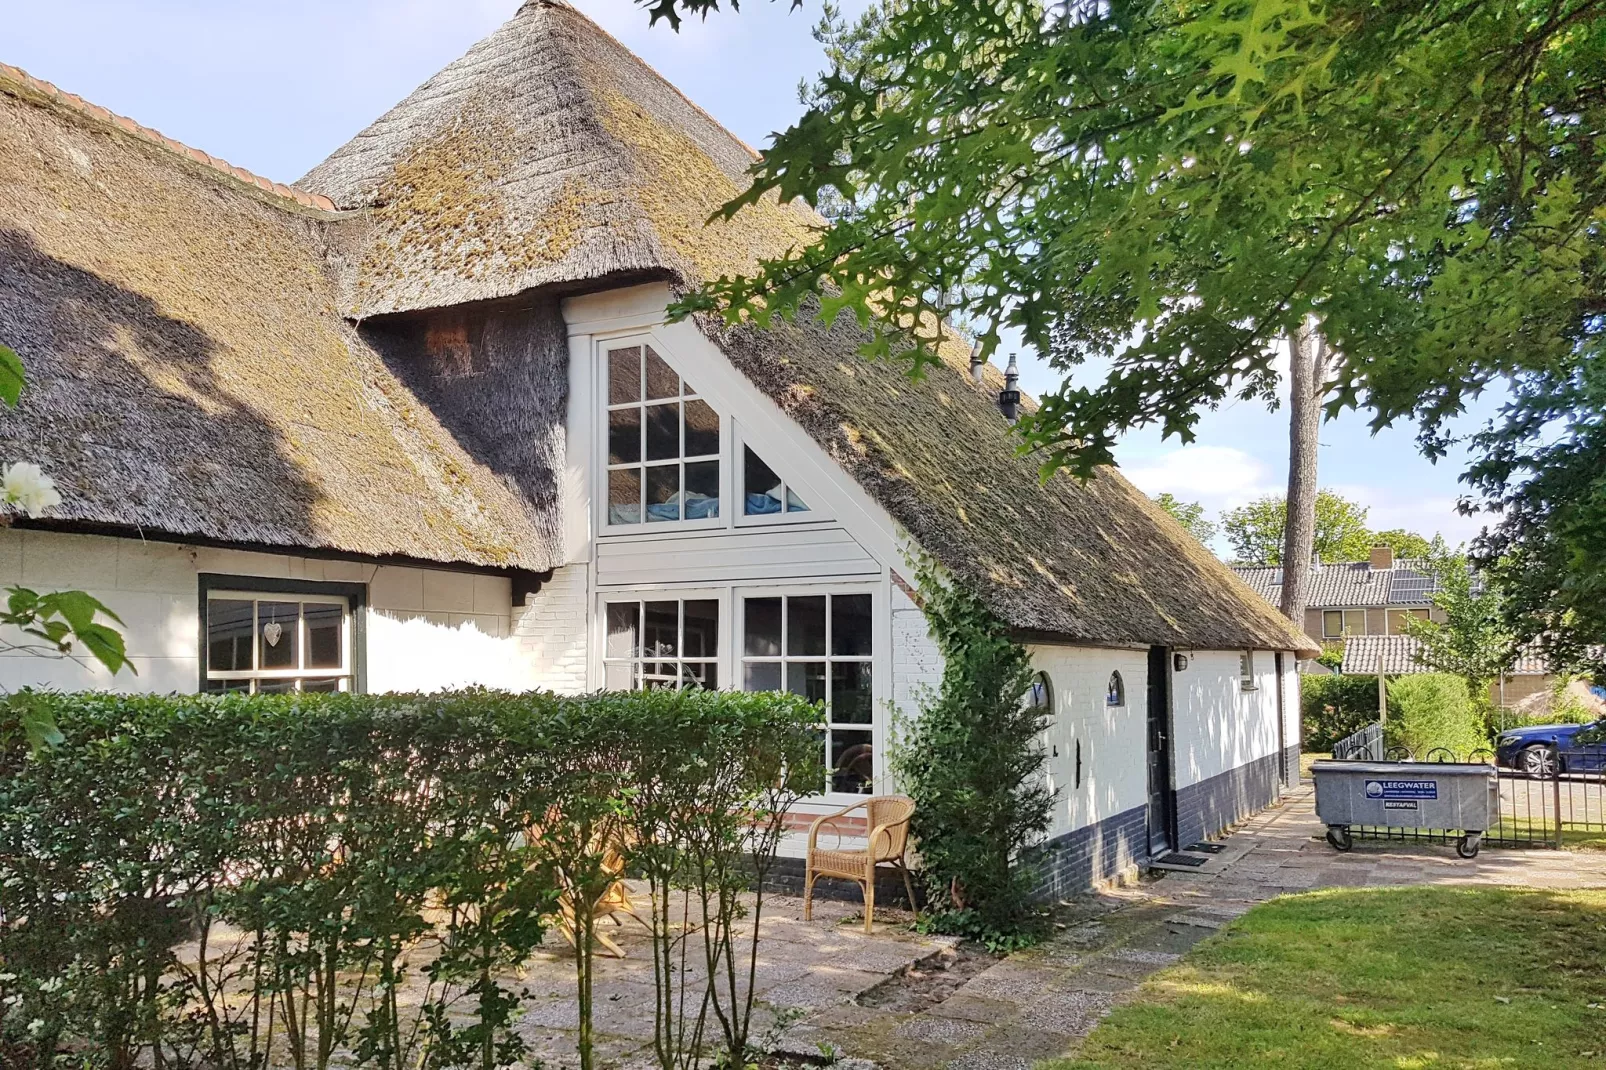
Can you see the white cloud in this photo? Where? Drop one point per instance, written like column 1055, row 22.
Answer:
column 1220, row 477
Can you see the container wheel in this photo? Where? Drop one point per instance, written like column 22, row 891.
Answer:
column 1339, row 837
column 1468, row 846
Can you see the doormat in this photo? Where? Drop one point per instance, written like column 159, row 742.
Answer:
column 1206, row 848
column 1174, row 859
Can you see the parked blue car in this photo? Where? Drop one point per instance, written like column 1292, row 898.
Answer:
column 1540, row 750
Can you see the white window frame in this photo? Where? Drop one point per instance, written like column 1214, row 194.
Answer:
column 720, row 660
column 602, row 407
column 1419, row 612
column 346, row 674
column 1248, row 682
column 879, row 660
column 739, row 516
column 1344, row 623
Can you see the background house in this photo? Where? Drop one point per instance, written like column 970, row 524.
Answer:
column 1361, row 607
column 421, row 421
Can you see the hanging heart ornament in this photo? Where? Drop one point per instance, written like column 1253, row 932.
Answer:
column 271, row 632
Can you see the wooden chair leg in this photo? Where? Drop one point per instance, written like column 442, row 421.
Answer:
column 908, row 889
column 808, row 894
column 869, row 902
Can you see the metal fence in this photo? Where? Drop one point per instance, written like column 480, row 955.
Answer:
column 1558, row 802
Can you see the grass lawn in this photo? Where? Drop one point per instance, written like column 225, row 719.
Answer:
column 1385, row 977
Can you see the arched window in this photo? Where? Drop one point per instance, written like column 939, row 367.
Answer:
column 1116, row 695
column 1040, row 696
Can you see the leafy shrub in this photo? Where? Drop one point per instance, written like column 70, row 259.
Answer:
column 972, row 763
column 358, row 843
column 1332, row 707
column 1428, row 710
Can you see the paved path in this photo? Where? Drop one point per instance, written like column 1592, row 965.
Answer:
column 1040, row 1003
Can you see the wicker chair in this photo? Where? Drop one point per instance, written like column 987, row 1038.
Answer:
column 887, row 819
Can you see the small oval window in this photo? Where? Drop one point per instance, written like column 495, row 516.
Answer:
column 1040, row 696
column 1116, row 696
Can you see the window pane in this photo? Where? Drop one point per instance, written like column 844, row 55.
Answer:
column 852, row 762
column 794, row 504
column 850, row 692
column 805, row 625
column 275, row 687
column 663, row 493
column 850, row 624
column 761, row 627
column 323, row 635
column 702, row 629
column 228, row 635
column 702, row 490
column 662, row 382
column 624, row 496
column 1332, row 622
column 760, row 486
column 702, row 429
column 660, row 626
column 624, row 375
column 806, row 678
column 663, row 431
column 619, row 676
column 622, row 635
column 218, row 687
column 761, row 676
column 660, row 675
column 1355, row 621
column 277, row 625
column 624, row 436
column 702, row 674
column 320, row 685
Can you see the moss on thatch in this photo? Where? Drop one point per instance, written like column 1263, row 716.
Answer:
column 1093, row 562
column 189, row 371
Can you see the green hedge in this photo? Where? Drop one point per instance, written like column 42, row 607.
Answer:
column 1334, row 706
column 359, row 842
column 1429, row 710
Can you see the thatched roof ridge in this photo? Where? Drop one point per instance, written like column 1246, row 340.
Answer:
column 1093, row 562
column 548, row 154
column 23, row 82
column 190, row 374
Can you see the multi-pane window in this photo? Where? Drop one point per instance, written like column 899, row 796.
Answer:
column 269, row 643
column 764, row 492
column 663, row 443
column 1337, row 623
column 820, row 647
column 671, row 643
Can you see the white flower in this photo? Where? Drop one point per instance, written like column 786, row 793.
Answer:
column 25, row 485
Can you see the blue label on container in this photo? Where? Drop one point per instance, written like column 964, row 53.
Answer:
column 1402, row 789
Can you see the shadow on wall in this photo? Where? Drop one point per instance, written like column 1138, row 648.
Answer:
column 125, row 410
column 497, row 379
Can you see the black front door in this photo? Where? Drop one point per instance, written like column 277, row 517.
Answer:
column 1161, row 799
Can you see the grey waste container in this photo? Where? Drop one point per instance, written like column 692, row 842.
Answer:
column 1423, row 795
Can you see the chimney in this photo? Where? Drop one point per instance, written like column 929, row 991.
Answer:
column 1382, row 558
column 1009, row 397
column 976, row 363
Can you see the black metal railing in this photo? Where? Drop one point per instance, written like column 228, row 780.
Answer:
column 1363, row 746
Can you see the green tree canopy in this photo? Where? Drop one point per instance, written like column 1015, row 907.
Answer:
column 1256, row 530
column 1172, row 186
column 1191, row 515
column 1472, row 641
column 1404, row 543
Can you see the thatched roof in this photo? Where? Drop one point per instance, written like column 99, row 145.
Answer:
column 550, row 155
column 547, row 154
column 190, row 374
column 1095, row 562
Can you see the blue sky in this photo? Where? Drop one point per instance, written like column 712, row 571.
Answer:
column 275, row 87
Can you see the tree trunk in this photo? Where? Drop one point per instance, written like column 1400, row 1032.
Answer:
column 1307, row 381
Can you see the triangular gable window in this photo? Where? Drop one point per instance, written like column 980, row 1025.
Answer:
column 766, row 492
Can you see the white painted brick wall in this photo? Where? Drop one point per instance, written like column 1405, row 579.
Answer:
column 916, row 662
column 552, row 630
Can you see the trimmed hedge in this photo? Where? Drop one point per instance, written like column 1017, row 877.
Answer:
column 1332, row 707
column 359, row 843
